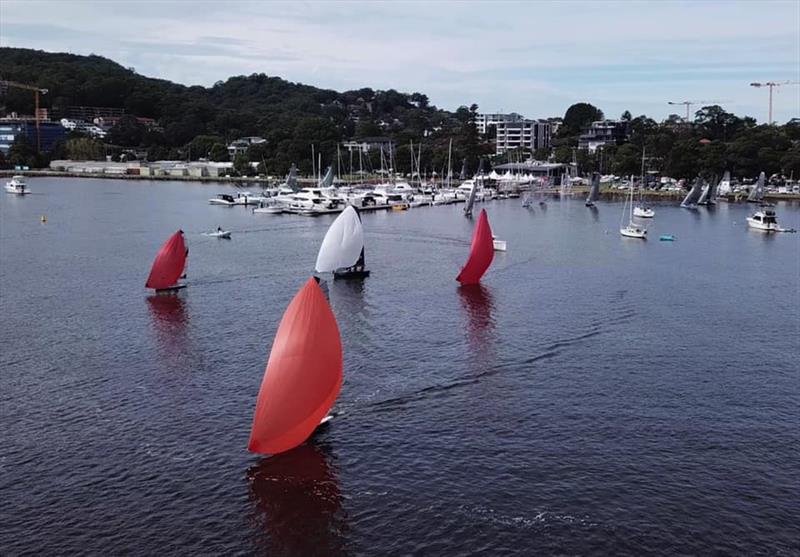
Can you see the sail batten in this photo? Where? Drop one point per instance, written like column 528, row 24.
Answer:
column 343, row 243
column 169, row 263
column 481, row 252
column 303, row 376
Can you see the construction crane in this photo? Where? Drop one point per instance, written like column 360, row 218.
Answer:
column 772, row 85
column 4, row 84
column 688, row 105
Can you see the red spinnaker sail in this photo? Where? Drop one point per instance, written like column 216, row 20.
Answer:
column 481, row 253
column 169, row 264
column 303, row 375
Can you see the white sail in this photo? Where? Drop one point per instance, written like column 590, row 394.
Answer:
column 342, row 244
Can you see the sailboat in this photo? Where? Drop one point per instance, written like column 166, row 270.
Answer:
column 342, row 250
column 169, row 265
column 594, row 190
column 708, row 194
column 303, row 375
column 481, row 253
column 690, row 201
column 633, row 229
column 757, row 192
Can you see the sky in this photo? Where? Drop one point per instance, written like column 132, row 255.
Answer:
column 534, row 58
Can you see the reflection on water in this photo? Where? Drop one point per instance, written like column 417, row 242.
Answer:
column 167, row 310
column 169, row 316
column 476, row 299
column 595, row 213
column 298, row 503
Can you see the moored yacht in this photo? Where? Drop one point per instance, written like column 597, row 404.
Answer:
column 223, row 199
column 311, row 201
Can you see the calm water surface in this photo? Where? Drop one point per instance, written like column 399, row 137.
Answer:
column 595, row 395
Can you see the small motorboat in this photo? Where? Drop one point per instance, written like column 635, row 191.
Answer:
column 644, row 212
column 219, row 233
column 17, row 185
column 764, row 219
column 667, row 238
column 499, row 245
column 223, row 199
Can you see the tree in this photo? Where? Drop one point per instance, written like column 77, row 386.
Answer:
column 218, row 153
column 84, row 149
column 579, row 116
column 626, row 116
column 716, row 123
column 241, row 165
column 22, row 153
column 200, row 147
column 127, row 132
column 627, row 160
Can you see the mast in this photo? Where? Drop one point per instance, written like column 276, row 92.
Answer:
column 313, row 161
column 360, row 167
column 631, row 207
column 449, row 162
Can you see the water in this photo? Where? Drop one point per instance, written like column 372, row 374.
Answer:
column 595, row 395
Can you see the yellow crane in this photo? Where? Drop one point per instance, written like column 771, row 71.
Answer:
column 772, row 85
column 36, row 91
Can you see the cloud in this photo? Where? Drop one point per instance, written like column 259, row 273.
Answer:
column 533, row 58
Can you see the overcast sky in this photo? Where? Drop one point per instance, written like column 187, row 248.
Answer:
column 535, row 58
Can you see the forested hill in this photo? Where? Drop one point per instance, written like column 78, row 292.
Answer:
column 291, row 116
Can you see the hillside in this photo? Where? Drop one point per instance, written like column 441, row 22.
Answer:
column 291, row 116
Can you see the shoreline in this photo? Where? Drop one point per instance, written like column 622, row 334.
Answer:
column 245, row 181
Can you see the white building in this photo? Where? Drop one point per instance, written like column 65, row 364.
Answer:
column 523, row 134
column 485, row 120
column 240, row 146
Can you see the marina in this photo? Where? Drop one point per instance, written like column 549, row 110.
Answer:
column 573, row 369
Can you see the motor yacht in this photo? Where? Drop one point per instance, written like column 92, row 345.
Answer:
column 764, row 219
column 17, row 185
column 223, row 199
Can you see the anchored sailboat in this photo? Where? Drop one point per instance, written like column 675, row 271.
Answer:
column 481, row 253
column 594, row 190
column 303, row 375
column 633, row 229
column 342, row 250
column 169, row 265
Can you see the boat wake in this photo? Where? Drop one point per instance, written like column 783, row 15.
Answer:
column 552, row 349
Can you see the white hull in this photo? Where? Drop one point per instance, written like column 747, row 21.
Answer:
column 275, row 210
column 220, row 202
column 643, row 212
column 499, row 245
column 19, row 190
column 766, row 227
column 220, row 234
column 632, row 231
